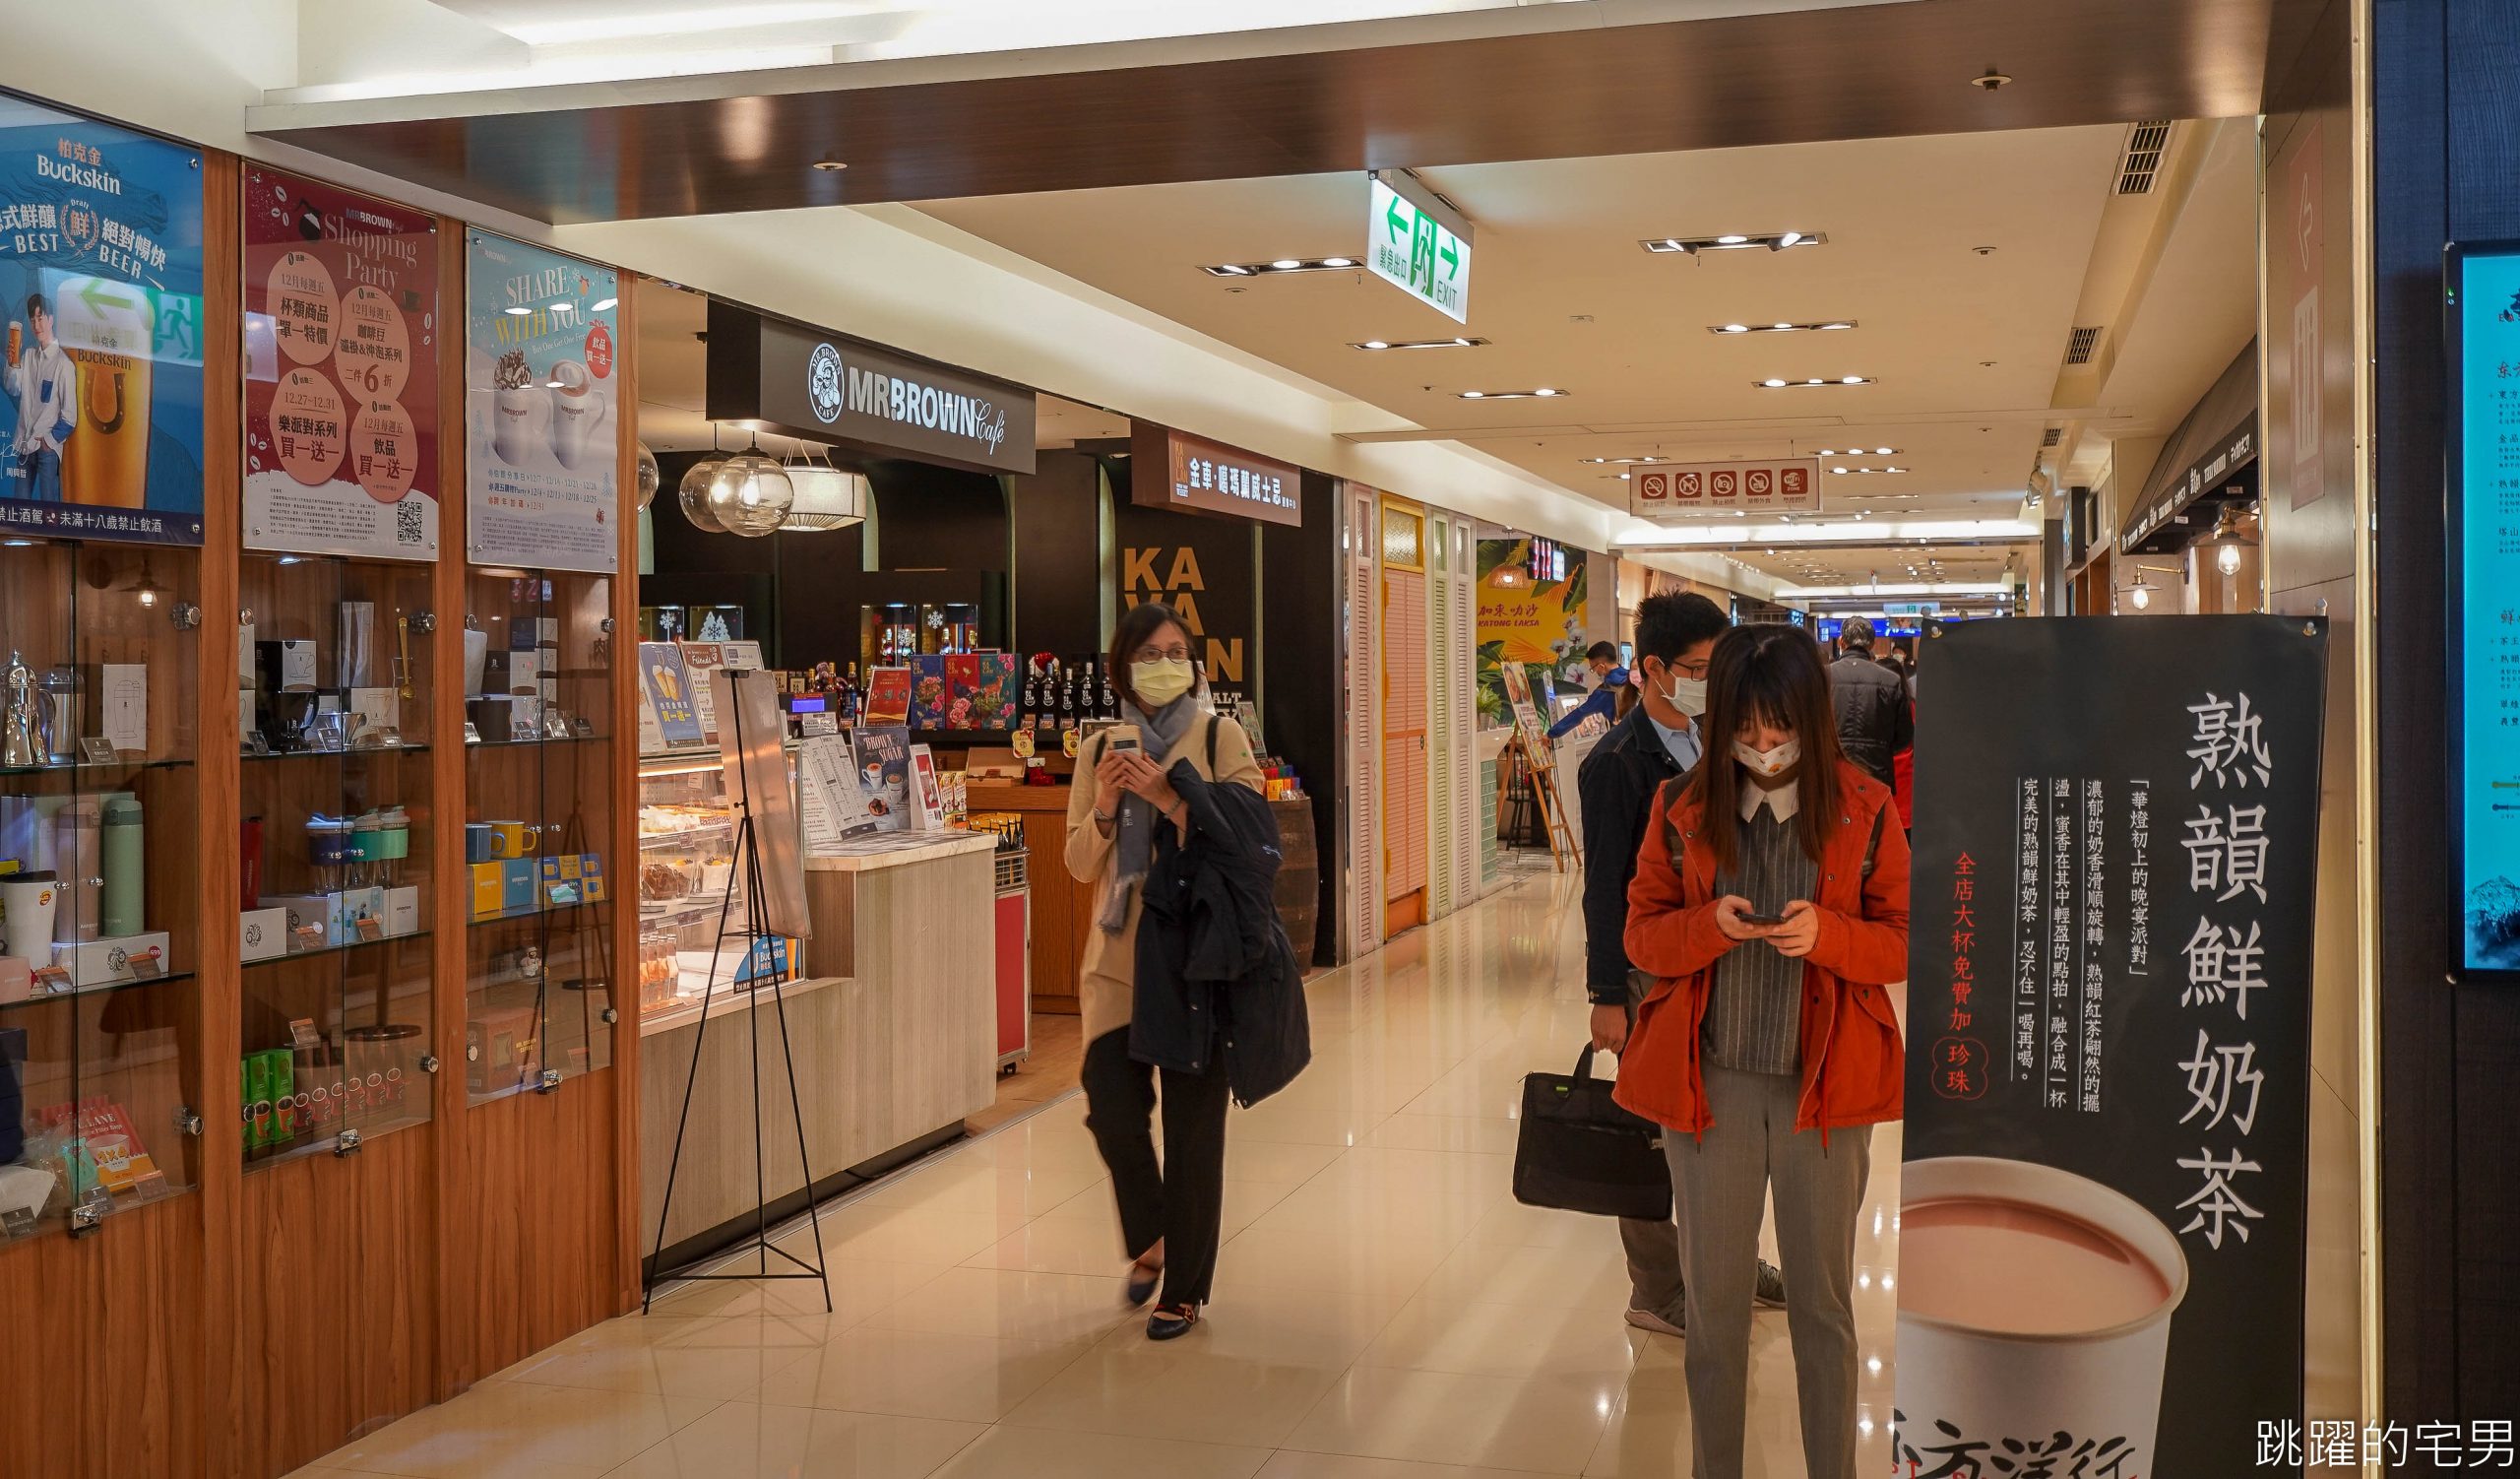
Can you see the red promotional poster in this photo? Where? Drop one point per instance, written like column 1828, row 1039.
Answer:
column 888, row 695
column 342, row 327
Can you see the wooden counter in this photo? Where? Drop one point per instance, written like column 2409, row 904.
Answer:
column 895, row 1041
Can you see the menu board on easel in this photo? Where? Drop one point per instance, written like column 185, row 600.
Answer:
column 1518, row 694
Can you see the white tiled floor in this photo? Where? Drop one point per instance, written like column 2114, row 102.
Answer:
column 1384, row 1309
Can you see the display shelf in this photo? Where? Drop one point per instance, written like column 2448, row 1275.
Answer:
column 354, row 753
column 541, row 638
column 99, row 644
column 335, row 834
column 328, row 1143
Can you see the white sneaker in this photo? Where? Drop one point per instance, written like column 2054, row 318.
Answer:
column 1647, row 1319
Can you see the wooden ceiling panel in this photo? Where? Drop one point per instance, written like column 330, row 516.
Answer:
column 1795, row 76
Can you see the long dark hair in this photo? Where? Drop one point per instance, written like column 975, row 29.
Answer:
column 1773, row 674
column 1130, row 632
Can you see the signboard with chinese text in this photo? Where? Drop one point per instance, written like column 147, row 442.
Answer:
column 1684, row 489
column 341, row 371
column 825, row 387
column 1201, row 567
column 2484, row 466
column 543, row 476
column 2104, row 1176
column 1205, row 476
column 100, row 285
column 1419, row 247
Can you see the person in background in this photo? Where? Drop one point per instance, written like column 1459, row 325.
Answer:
column 45, row 385
column 1171, row 1211
column 1768, row 1051
column 1657, row 741
column 1875, row 722
column 1609, row 678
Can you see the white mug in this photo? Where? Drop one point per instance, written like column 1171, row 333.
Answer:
column 512, row 420
column 577, row 409
column 2032, row 1300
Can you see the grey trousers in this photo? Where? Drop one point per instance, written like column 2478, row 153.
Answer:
column 1720, row 1185
column 1653, row 1246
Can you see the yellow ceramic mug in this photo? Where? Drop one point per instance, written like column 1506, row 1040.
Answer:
column 514, row 839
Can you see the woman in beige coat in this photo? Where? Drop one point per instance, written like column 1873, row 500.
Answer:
column 1171, row 1210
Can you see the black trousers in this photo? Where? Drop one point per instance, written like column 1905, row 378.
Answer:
column 1181, row 1199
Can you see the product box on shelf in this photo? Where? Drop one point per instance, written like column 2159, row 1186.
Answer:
column 118, row 1160
column 263, row 934
column 112, row 962
column 559, row 881
column 499, row 1047
column 927, row 703
column 17, row 979
column 490, row 890
column 590, row 877
column 516, row 879
column 403, row 910
column 359, row 916
column 313, row 918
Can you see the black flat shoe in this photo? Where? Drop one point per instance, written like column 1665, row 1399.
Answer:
column 1142, row 1283
column 1171, row 1322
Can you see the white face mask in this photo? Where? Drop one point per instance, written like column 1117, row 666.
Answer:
column 1686, row 694
column 1768, row 764
column 1161, row 682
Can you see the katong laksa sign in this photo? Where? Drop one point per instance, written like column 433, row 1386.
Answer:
column 830, row 388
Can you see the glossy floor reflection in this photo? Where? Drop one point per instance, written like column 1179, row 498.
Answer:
column 1384, row 1309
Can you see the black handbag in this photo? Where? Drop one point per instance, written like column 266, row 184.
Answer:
column 1580, row 1152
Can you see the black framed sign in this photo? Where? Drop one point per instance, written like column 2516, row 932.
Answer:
column 2481, row 309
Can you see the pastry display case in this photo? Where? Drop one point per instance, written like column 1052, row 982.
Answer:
column 687, row 887
column 99, row 938
column 538, row 888
column 338, row 904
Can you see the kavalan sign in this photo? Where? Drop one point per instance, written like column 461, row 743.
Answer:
column 833, row 389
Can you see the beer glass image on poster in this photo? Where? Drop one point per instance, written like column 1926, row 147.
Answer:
column 100, row 377
column 2104, row 1196
column 541, row 411
column 341, row 371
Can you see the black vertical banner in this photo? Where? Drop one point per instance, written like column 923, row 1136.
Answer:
column 2106, row 1159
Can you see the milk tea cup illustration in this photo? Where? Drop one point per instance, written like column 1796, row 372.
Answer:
column 2032, row 1300
column 517, row 405
column 577, row 409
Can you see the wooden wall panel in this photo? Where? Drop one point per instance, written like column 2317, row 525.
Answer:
column 539, row 1200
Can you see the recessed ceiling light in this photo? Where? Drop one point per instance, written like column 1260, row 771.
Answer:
column 1783, row 327
column 1474, row 395
column 1733, row 242
column 1418, row 343
column 1279, row 265
column 1775, row 384
column 831, row 166
column 1543, row 393
column 1623, row 461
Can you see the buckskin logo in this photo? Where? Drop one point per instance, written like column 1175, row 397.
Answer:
column 823, row 382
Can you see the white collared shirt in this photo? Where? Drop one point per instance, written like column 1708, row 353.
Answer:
column 1783, row 802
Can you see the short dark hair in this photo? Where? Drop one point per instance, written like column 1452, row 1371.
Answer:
column 1129, row 633
column 36, row 304
column 1602, row 652
column 1669, row 625
column 1856, row 632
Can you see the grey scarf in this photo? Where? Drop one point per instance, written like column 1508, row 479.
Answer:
column 1133, row 838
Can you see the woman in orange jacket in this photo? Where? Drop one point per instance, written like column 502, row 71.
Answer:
column 1771, row 905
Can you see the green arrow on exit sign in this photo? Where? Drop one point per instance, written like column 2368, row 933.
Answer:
column 1413, row 249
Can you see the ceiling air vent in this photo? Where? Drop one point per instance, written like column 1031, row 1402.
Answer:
column 2143, row 161
column 2054, row 436
column 2078, row 349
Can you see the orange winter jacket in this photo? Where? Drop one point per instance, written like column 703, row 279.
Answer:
column 1853, row 1072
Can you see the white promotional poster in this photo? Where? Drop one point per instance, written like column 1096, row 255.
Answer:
column 542, row 408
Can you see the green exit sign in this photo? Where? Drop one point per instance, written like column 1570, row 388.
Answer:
column 1419, row 245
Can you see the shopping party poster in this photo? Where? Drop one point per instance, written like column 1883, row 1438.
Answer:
column 542, row 408
column 341, row 372
column 100, row 278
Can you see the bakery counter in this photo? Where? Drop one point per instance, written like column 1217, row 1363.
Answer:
column 894, row 1033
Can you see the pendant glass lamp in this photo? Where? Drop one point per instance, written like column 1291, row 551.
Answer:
column 694, row 493
column 826, row 497
column 751, row 494
column 650, row 475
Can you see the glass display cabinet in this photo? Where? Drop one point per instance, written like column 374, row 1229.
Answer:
column 686, row 864
column 335, row 867
column 538, row 813
column 100, row 937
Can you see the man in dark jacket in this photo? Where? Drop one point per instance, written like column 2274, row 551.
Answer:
column 1657, row 741
column 1875, row 722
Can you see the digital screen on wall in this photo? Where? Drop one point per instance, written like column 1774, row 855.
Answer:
column 2482, row 327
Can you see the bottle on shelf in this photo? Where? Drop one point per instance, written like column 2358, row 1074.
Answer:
column 849, row 694
column 1109, row 697
column 1067, row 701
column 1045, row 712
